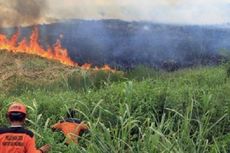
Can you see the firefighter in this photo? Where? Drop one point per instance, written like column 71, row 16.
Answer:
column 17, row 139
column 71, row 127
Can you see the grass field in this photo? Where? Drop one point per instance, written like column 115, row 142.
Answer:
column 139, row 111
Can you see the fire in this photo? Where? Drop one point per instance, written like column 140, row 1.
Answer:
column 86, row 66
column 55, row 52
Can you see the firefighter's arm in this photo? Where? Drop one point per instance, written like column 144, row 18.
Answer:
column 56, row 126
column 84, row 126
column 31, row 147
column 83, row 129
column 45, row 148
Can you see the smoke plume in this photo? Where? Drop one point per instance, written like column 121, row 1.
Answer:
column 22, row 12
column 161, row 11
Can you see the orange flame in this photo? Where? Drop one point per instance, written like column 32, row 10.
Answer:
column 56, row 52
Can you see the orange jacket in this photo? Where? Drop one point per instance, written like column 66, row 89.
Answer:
column 70, row 129
column 17, row 140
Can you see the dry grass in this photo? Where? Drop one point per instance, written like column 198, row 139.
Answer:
column 36, row 70
column 20, row 71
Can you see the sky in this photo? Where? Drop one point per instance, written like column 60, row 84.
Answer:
column 164, row 11
column 19, row 12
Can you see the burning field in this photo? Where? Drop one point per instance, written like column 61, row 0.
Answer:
column 54, row 65
column 32, row 46
column 56, row 52
column 119, row 44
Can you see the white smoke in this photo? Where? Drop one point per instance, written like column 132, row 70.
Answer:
column 19, row 12
column 166, row 11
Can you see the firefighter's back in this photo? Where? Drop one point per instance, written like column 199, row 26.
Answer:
column 15, row 140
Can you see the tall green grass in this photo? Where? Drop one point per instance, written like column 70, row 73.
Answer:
column 182, row 112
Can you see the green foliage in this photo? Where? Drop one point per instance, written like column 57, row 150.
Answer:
column 142, row 72
column 92, row 79
column 78, row 80
column 180, row 112
column 227, row 66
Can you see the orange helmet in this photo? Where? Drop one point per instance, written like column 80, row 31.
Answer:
column 17, row 107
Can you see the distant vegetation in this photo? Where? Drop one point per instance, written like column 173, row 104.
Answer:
column 144, row 110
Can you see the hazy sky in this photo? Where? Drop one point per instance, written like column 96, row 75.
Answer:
column 19, row 12
column 169, row 11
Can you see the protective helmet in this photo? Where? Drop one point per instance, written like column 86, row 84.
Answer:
column 17, row 107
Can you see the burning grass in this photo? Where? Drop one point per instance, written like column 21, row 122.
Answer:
column 55, row 52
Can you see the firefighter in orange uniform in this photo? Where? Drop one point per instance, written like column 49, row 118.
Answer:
column 71, row 127
column 17, row 139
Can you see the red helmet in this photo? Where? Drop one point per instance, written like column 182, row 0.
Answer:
column 17, row 107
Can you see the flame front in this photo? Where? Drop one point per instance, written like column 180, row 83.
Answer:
column 55, row 52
